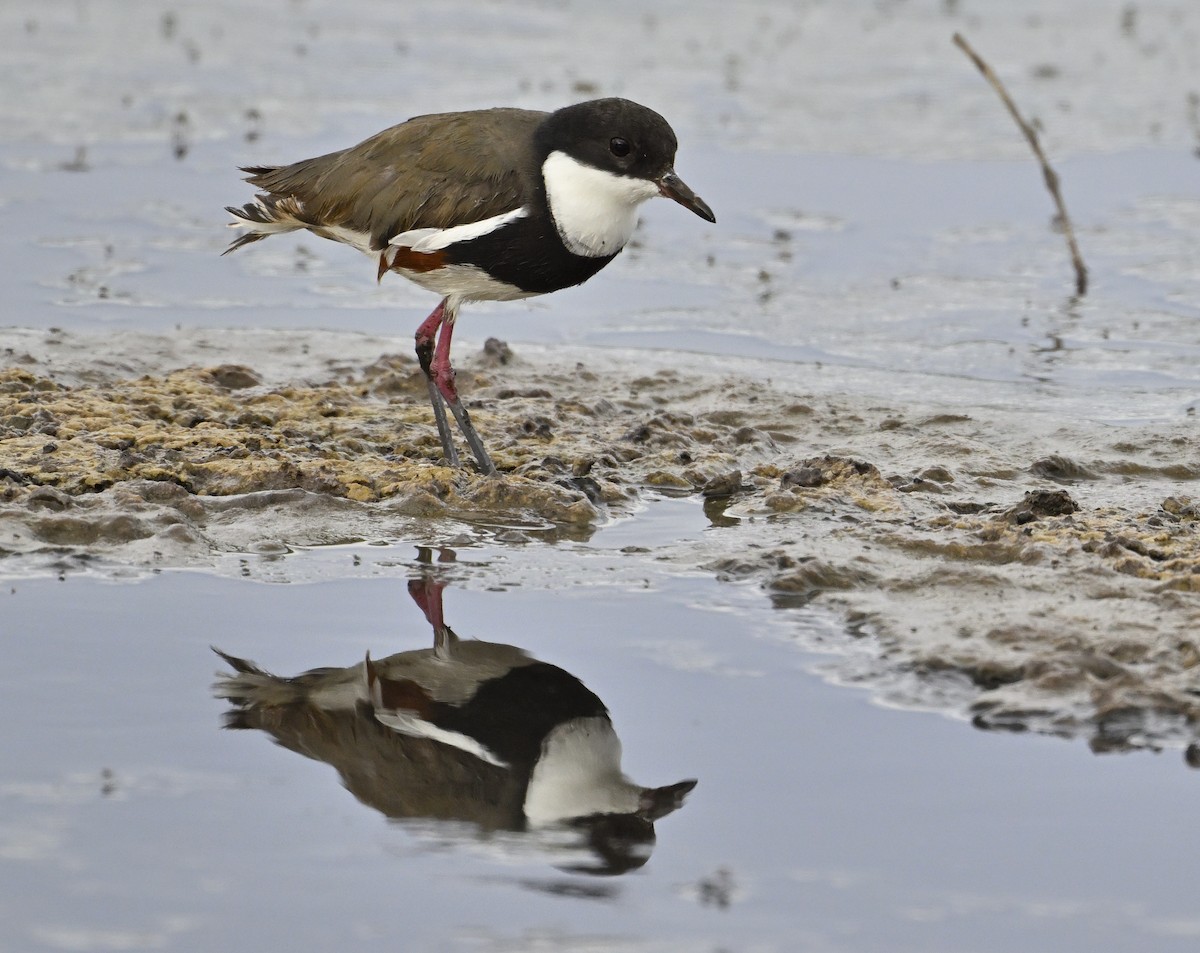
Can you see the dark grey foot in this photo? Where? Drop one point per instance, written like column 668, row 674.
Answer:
column 443, row 424
column 486, row 466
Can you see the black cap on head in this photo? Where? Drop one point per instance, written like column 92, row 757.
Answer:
column 624, row 138
column 616, row 135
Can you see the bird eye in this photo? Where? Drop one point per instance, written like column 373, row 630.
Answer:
column 619, row 147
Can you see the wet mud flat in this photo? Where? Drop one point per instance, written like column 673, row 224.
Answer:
column 1029, row 571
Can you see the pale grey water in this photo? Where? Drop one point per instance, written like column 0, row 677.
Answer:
column 866, row 224
column 901, row 277
column 881, row 231
column 841, row 825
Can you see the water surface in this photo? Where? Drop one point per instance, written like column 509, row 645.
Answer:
column 820, row 821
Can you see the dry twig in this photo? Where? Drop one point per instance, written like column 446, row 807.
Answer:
column 1051, row 177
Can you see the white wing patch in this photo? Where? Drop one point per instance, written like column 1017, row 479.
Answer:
column 406, row 723
column 425, row 240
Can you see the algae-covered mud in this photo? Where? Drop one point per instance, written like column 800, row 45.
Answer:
column 1034, row 572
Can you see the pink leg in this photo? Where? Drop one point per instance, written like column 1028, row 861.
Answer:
column 435, row 362
column 443, row 372
column 428, row 329
column 425, row 336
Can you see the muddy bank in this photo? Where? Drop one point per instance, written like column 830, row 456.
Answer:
column 570, row 447
column 1032, row 572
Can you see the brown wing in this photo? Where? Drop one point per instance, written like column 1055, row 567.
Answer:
column 433, row 171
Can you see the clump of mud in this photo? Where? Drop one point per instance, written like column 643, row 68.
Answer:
column 94, row 458
column 1063, row 611
column 564, row 449
column 1032, row 573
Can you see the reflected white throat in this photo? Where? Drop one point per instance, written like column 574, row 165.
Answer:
column 579, row 774
column 595, row 211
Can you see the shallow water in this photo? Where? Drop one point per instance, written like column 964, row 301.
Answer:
column 871, row 235
column 891, row 276
column 883, row 312
column 820, row 821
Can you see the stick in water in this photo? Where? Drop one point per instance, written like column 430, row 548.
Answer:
column 1051, row 177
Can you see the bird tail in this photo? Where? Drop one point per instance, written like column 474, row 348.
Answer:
column 250, row 685
column 252, row 691
column 267, row 215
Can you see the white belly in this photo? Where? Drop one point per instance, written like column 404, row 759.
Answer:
column 468, row 282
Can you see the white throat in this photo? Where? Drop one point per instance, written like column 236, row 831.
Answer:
column 578, row 774
column 595, row 211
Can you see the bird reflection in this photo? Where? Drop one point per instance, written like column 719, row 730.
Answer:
column 466, row 731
